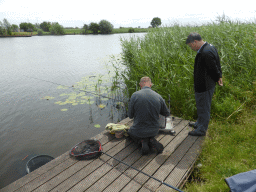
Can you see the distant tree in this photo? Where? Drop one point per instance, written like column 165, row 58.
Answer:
column 45, row 26
column 15, row 28
column 131, row 30
column 2, row 30
column 94, row 27
column 57, row 29
column 105, row 27
column 37, row 26
column 156, row 21
column 24, row 26
column 40, row 32
column 7, row 26
column 31, row 27
column 85, row 29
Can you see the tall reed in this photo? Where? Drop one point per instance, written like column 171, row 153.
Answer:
column 164, row 56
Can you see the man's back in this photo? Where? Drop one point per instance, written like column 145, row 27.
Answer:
column 145, row 106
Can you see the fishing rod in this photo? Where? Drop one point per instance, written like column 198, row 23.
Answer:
column 73, row 88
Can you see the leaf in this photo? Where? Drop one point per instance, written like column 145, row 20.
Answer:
column 48, row 97
column 62, row 87
column 97, row 126
column 64, row 109
column 63, row 94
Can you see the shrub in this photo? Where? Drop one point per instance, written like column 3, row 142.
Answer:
column 105, row 27
column 131, row 30
column 57, row 29
column 94, row 27
column 40, row 32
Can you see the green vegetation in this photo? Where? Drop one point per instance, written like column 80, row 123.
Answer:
column 57, row 29
column 5, row 28
column 163, row 55
column 228, row 150
column 105, row 27
column 156, row 21
column 131, row 30
column 94, row 27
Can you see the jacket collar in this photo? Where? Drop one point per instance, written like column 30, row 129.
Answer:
column 203, row 46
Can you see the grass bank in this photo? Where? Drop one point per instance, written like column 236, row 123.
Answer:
column 79, row 31
column 162, row 54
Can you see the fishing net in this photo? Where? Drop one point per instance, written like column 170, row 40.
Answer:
column 87, row 149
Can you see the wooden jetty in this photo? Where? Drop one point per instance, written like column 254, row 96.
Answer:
column 173, row 166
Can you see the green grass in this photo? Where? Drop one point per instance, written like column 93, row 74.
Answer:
column 228, row 149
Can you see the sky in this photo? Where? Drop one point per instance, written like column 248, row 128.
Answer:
column 132, row 13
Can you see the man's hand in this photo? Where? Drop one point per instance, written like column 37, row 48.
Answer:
column 220, row 82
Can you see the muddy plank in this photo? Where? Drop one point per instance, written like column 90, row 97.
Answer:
column 180, row 170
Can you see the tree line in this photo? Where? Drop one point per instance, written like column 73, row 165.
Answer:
column 103, row 27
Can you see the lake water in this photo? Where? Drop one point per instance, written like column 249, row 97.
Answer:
column 43, row 110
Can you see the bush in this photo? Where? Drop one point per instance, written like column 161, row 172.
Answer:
column 156, row 21
column 131, row 30
column 85, row 29
column 57, row 29
column 94, row 27
column 105, row 27
column 40, row 32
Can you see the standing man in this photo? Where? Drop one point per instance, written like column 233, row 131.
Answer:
column 207, row 71
column 145, row 106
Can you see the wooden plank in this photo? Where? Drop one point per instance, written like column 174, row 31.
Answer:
column 171, row 162
column 145, row 160
column 178, row 173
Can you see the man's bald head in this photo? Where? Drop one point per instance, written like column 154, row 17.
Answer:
column 145, row 81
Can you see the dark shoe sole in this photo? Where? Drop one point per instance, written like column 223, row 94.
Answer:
column 153, row 143
column 193, row 133
column 145, row 148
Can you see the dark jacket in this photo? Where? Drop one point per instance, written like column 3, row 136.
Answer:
column 207, row 69
column 145, row 106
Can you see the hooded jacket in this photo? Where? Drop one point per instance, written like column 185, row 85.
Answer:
column 207, row 69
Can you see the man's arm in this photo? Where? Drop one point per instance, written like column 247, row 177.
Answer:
column 211, row 66
column 164, row 110
column 131, row 108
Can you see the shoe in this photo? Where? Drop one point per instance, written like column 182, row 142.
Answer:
column 194, row 133
column 192, row 125
column 145, row 147
column 153, row 143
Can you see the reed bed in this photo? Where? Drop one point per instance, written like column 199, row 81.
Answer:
column 164, row 56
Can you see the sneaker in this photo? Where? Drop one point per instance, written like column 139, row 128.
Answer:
column 153, row 143
column 145, row 147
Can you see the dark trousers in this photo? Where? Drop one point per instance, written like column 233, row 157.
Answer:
column 203, row 105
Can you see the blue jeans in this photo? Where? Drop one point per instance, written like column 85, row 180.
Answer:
column 203, row 105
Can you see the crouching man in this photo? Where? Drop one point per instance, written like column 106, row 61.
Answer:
column 145, row 106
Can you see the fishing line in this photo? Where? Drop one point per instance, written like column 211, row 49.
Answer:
column 76, row 88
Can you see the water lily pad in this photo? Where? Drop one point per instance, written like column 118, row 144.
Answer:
column 63, row 94
column 74, row 103
column 85, row 97
column 62, row 87
column 63, row 103
column 48, row 97
column 72, row 97
column 58, row 102
column 81, row 94
column 97, row 126
column 104, row 99
column 64, row 109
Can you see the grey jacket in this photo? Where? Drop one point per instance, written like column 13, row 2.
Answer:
column 145, row 106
